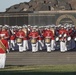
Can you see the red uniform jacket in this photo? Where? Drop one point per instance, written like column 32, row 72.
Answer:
column 69, row 32
column 48, row 33
column 40, row 38
column 5, row 42
column 0, row 31
column 6, row 34
column 12, row 37
column 61, row 32
column 34, row 35
column 20, row 34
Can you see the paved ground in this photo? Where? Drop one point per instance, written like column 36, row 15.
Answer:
column 41, row 58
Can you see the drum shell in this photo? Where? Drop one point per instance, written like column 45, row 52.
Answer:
column 47, row 40
column 19, row 40
column 33, row 41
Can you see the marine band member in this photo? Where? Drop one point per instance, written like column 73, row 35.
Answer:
column 20, row 35
column 34, row 39
column 3, row 48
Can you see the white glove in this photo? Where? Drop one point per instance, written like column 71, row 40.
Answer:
column 7, row 51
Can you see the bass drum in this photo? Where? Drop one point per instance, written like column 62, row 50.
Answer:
column 47, row 40
column 33, row 41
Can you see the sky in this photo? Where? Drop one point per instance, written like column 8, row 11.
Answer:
column 7, row 3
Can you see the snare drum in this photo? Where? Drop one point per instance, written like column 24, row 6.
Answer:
column 33, row 40
column 19, row 40
column 47, row 40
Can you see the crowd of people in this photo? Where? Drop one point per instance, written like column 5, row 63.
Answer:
column 36, row 38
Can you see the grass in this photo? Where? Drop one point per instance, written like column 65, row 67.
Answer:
column 39, row 70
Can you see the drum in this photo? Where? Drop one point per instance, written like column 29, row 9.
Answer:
column 33, row 41
column 47, row 40
column 19, row 40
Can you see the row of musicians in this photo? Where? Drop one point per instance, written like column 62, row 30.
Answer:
column 35, row 41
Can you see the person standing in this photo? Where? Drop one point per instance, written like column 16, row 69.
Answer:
column 3, row 49
column 25, row 39
column 63, row 39
column 34, row 39
column 52, row 39
column 20, row 35
column 48, row 36
column 40, row 39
